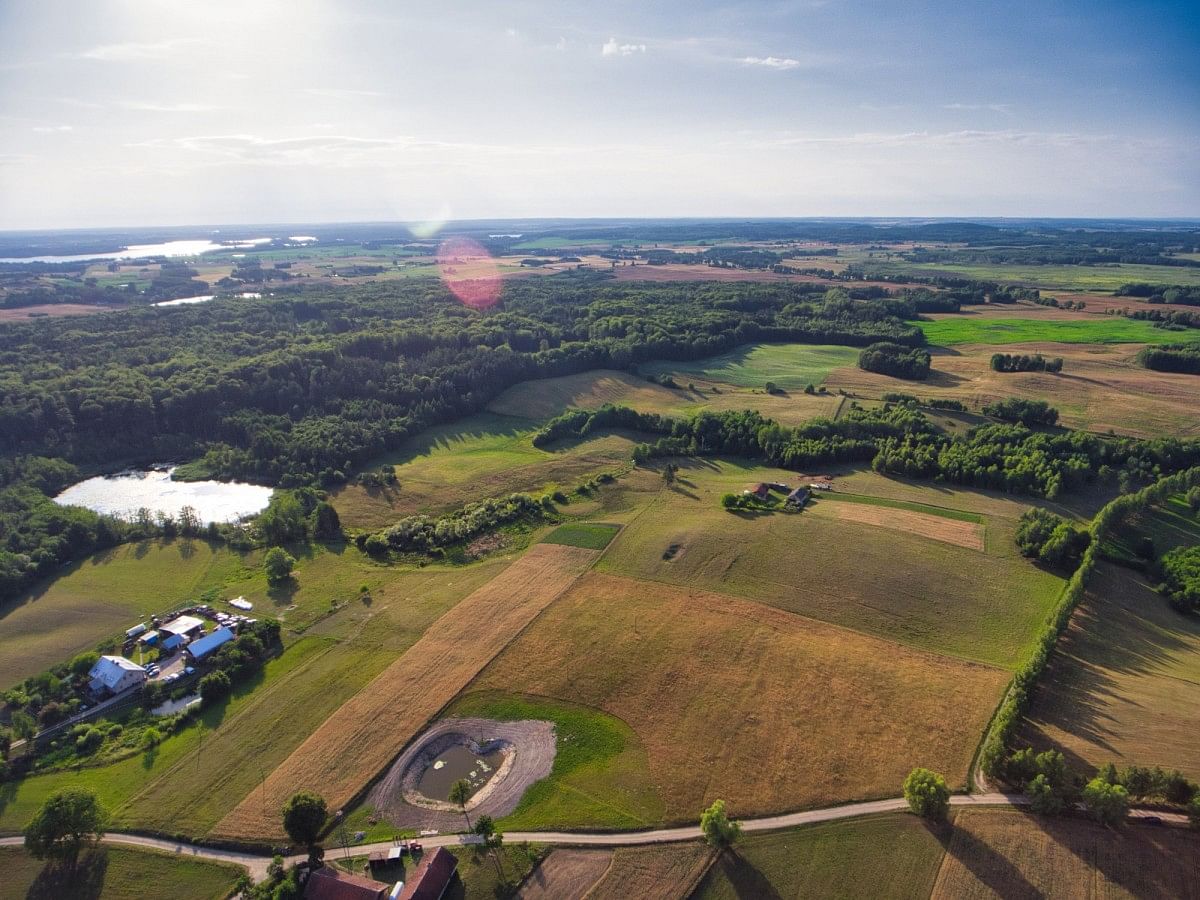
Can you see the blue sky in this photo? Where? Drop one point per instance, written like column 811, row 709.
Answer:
column 168, row 112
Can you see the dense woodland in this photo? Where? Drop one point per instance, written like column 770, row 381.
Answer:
column 1183, row 358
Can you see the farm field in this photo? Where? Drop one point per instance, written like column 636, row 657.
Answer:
column 893, row 856
column 667, row 871
column 592, row 536
column 1100, row 388
column 364, row 734
column 171, row 788
column 947, row 529
column 729, row 696
column 1124, row 686
column 1061, row 277
column 102, row 596
column 790, row 366
column 951, row 331
column 901, row 586
column 480, row 456
column 115, row 873
column 566, row 874
column 592, row 389
column 1004, row 853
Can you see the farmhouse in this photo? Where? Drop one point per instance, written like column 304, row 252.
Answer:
column 328, row 883
column 798, row 497
column 431, row 877
column 184, row 626
column 201, row 648
column 114, row 674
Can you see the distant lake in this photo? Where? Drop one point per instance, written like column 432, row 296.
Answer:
column 140, row 251
column 124, row 494
column 184, row 301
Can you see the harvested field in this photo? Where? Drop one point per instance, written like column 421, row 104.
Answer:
column 667, row 872
column 366, row 733
column 789, row 366
column 896, row 585
column 729, row 696
column 1101, row 387
column 52, row 310
column 566, row 874
column 1002, row 853
column 1124, row 684
column 938, row 528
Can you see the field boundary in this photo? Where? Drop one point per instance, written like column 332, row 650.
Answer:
column 1015, row 701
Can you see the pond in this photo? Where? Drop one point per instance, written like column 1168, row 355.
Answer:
column 125, row 493
column 454, row 763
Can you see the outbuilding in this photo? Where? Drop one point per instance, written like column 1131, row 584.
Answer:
column 184, row 626
column 173, row 643
column 431, row 877
column 329, row 883
column 798, row 497
column 205, row 646
column 115, row 674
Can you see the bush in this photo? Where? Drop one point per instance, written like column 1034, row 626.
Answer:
column 927, row 794
column 214, row 686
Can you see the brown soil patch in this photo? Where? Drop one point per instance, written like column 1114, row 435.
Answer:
column 665, row 873
column 1014, row 855
column 734, row 699
column 566, row 875
column 367, row 732
column 53, row 311
column 949, row 531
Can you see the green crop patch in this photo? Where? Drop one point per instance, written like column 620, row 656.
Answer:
column 592, row 536
column 1110, row 330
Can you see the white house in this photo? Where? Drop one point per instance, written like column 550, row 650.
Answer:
column 114, row 674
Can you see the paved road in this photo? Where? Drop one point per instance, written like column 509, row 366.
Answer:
column 257, row 865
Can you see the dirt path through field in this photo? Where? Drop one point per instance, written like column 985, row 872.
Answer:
column 369, row 731
column 566, row 875
column 949, row 531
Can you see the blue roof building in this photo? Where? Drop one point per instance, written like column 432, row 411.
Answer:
column 173, row 643
column 198, row 649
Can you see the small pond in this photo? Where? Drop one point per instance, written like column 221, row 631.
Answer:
column 454, row 763
column 125, row 493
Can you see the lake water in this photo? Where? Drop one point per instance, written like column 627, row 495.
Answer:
column 140, row 251
column 124, row 494
column 454, row 763
column 184, row 301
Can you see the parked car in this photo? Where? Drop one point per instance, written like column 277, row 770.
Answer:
column 189, row 671
column 1152, row 820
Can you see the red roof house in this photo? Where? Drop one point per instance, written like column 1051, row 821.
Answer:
column 328, row 883
column 431, row 877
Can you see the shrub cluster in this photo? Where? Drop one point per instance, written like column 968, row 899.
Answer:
column 427, row 533
column 1027, row 412
column 892, row 359
column 1184, row 358
column 1025, row 362
column 1180, row 572
column 1052, row 539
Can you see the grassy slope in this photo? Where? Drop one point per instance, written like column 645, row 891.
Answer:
column 115, row 873
column 1124, row 685
column 594, row 536
column 1168, row 525
column 1111, row 330
column 102, row 596
column 884, row 856
column 731, row 698
column 482, row 456
column 600, row 775
column 899, row 586
column 790, row 366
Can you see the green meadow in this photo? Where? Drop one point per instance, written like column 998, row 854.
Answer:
column 790, row 366
column 1108, row 330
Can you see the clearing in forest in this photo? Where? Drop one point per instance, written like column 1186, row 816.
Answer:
column 366, row 733
column 734, row 699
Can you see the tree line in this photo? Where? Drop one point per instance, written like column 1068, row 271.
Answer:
column 1025, row 362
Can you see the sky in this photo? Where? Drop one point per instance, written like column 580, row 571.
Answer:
column 163, row 112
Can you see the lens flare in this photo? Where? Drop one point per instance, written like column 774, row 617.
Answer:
column 469, row 272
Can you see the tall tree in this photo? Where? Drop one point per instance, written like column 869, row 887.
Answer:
column 304, row 818
column 718, row 830
column 68, row 821
column 460, row 793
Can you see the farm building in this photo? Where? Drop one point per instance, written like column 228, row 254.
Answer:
column 184, row 626
column 761, row 490
column 149, row 639
column 133, row 632
column 798, row 497
column 431, row 877
column 198, row 649
column 114, row 674
column 328, row 883
column 173, row 643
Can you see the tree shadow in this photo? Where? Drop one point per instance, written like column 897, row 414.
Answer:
column 83, row 881
column 282, row 592
column 746, row 879
column 985, row 863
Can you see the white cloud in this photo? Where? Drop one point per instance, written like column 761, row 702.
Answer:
column 136, row 52
column 149, row 106
column 612, row 48
column 341, row 93
column 52, row 129
column 994, row 107
column 772, row 62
